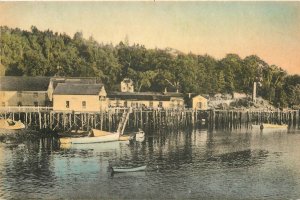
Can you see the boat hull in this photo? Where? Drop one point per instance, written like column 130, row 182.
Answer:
column 11, row 125
column 87, row 140
column 270, row 126
column 123, row 170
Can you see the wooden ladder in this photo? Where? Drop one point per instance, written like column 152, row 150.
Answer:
column 123, row 121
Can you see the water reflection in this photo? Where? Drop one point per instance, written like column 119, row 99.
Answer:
column 245, row 158
column 180, row 164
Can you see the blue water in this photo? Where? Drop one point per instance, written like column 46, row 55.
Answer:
column 191, row 164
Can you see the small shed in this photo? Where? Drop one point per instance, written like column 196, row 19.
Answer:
column 199, row 102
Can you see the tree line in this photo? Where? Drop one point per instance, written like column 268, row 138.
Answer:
column 48, row 53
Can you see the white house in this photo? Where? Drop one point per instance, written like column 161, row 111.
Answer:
column 79, row 97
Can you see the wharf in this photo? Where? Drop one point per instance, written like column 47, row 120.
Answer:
column 39, row 118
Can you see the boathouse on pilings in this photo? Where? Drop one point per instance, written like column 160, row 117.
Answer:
column 196, row 102
column 141, row 100
column 54, row 81
column 23, row 91
column 153, row 100
column 79, row 97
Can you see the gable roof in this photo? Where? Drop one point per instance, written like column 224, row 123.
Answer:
column 127, row 80
column 199, row 96
column 83, row 80
column 77, row 89
column 24, row 83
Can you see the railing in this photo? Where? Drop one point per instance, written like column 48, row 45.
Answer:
column 126, row 109
column 25, row 109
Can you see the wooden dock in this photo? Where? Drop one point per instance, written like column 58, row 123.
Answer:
column 45, row 118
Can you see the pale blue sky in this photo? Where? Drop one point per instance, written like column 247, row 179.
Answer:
column 270, row 30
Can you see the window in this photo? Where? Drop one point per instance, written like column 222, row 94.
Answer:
column 101, row 98
column 199, row 104
column 160, row 104
column 36, row 104
column 67, row 104
column 35, row 94
column 125, row 103
column 151, row 103
column 84, row 104
column 3, row 104
column 19, row 103
column 19, row 94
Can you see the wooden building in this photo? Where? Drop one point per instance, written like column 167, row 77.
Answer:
column 54, row 81
column 23, row 91
column 127, row 85
column 128, row 98
column 199, row 103
column 79, row 97
column 145, row 99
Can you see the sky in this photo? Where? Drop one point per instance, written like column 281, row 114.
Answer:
column 270, row 30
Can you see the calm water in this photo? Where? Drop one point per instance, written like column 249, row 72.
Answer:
column 193, row 164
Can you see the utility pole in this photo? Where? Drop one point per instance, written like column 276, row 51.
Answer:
column 254, row 92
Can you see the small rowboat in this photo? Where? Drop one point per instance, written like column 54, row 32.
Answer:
column 135, row 169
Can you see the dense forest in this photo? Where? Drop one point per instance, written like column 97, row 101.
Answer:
column 45, row 53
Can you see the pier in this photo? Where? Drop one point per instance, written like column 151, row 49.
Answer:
column 39, row 118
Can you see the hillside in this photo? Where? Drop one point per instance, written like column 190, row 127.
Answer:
column 45, row 53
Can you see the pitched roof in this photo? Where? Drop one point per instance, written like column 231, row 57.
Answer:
column 127, row 80
column 77, row 89
column 147, row 96
column 85, row 80
column 24, row 83
column 173, row 94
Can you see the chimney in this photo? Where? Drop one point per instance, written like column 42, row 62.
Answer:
column 190, row 94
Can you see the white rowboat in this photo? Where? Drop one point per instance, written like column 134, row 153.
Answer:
column 122, row 170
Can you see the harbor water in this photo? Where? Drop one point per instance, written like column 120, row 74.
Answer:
column 190, row 164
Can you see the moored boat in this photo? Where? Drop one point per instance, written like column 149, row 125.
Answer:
column 123, row 170
column 85, row 140
column 270, row 126
column 140, row 135
column 100, row 133
column 125, row 138
column 9, row 124
column 98, row 147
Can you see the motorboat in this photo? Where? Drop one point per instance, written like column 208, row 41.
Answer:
column 10, row 124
